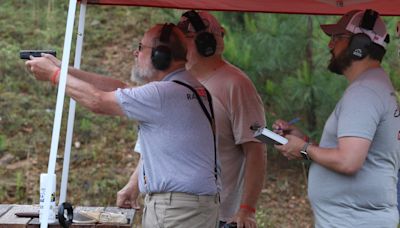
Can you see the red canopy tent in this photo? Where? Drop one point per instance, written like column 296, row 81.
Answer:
column 314, row 7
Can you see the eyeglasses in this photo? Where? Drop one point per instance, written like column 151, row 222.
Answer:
column 141, row 46
column 337, row 37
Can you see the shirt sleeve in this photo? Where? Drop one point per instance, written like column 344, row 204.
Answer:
column 359, row 113
column 246, row 109
column 141, row 103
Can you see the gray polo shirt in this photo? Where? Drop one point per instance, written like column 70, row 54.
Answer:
column 176, row 141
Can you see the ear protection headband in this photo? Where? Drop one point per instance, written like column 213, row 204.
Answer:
column 206, row 43
column 359, row 43
column 161, row 56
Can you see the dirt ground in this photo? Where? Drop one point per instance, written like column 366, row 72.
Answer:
column 283, row 202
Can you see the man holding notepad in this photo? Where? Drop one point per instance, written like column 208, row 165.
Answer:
column 353, row 174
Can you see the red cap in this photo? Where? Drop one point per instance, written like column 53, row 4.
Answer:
column 351, row 21
column 340, row 26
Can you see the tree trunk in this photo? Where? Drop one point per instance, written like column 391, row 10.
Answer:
column 311, row 115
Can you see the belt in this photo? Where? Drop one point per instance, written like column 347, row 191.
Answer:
column 182, row 195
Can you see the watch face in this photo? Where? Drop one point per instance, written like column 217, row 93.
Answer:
column 303, row 151
column 305, row 155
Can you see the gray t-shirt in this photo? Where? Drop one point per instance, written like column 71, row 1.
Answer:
column 175, row 137
column 367, row 198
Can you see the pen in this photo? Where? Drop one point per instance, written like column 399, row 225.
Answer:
column 291, row 122
column 294, row 120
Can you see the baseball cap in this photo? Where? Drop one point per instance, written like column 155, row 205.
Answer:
column 210, row 22
column 352, row 22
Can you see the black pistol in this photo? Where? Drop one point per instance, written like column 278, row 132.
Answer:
column 24, row 54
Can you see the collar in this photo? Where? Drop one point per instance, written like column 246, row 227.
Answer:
column 169, row 76
column 364, row 73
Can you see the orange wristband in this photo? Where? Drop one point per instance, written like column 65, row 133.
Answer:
column 247, row 207
column 305, row 138
column 54, row 77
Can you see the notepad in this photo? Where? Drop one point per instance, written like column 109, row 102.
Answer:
column 267, row 136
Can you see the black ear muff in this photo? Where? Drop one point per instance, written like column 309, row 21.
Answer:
column 206, row 44
column 161, row 56
column 368, row 20
column 358, row 46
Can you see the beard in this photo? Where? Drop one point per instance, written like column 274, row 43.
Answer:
column 338, row 64
column 142, row 75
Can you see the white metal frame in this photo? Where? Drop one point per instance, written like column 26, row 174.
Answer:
column 60, row 103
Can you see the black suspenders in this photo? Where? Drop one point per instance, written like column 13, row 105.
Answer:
column 210, row 117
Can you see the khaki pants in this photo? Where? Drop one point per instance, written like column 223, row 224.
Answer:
column 174, row 210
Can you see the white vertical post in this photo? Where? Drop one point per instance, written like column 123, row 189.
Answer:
column 72, row 105
column 59, row 107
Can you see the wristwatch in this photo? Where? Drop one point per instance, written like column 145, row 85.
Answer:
column 303, row 151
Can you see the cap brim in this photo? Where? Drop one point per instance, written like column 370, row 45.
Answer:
column 332, row 29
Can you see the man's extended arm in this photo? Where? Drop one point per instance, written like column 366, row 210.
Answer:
column 82, row 92
column 101, row 82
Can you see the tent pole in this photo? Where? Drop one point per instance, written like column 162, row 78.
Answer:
column 72, row 105
column 59, row 108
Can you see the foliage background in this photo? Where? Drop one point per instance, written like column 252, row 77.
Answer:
column 284, row 55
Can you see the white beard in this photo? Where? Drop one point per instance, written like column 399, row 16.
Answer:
column 142, row 75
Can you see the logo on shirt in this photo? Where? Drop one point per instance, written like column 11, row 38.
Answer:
column 200, row 91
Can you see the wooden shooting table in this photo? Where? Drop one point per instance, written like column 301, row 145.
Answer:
column 8, row 219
